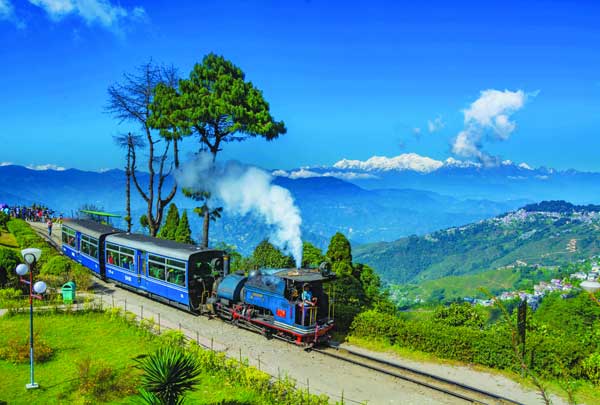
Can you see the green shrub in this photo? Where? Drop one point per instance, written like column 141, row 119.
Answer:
column 490, row 347
column 81, row 276
column 8, row 263
column 173, row 338
column 591, row 368
column 99, row 382
column 57, row 266
column 17, row 350
column 10, row 294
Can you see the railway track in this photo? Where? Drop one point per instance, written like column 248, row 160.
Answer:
column 452, row 388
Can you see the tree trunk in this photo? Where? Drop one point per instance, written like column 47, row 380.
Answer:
column 128, row 190
column 205, row 228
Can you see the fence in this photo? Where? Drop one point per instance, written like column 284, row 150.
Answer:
column 155, row 322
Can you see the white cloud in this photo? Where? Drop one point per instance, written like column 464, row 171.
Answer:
column 93, row 12
column 416, row 131
column 7, row 13
column 435, row 125
column 6, row 10
column 451, row 162
column 56, row 9
column 488, row 117
column 525, row 166
column 406, row 161
column 6, row 164
column 48, row 166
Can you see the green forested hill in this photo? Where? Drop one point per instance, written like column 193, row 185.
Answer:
column 533, row 235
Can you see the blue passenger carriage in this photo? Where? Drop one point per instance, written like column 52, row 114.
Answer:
column 83, row 241
column 176, row 273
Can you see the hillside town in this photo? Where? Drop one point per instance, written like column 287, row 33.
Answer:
column 565, row 286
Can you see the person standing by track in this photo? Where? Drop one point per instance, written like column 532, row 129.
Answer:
column 49, row 223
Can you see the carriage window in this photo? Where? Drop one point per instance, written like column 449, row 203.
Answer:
column 156, row 267
column 89, row 246
column 69, row 237
column 120, row 256
column 169, row 270
column 176, row 276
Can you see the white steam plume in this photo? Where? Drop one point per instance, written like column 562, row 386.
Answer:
column 246, row 189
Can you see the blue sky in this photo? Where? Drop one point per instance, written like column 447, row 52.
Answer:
column 350, row 79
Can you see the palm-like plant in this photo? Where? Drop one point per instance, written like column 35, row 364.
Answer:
column 169, row 373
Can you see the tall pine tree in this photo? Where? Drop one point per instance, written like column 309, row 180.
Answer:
column 339, row 254
column 183, row 233
column 169, row 229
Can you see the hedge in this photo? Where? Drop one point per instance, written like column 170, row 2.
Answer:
column 548, row 355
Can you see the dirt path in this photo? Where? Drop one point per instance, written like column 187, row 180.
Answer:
column 321, row 374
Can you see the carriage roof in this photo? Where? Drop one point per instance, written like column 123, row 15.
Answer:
column 158, row 246
column 90, row 228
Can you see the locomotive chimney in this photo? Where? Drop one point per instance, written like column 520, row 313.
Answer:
column 225, row 265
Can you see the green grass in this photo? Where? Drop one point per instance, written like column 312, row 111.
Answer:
column 8, row 240
column 75, row 336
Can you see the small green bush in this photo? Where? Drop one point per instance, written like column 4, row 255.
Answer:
column 100, row 382
column 81, row 276
column 591, row 368
column 8, row 263
column 10, row 294
column 173, row 338
column 17, row 350
column 57, row 266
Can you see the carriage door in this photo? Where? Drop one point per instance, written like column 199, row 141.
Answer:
column 141, row 268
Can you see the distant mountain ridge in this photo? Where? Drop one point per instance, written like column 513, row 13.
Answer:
column 462, row 179
column 327, row 204
column 547, row 233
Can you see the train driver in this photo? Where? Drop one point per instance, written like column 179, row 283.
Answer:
column 307, row 299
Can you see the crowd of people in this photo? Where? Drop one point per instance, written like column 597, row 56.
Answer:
column 34, row 213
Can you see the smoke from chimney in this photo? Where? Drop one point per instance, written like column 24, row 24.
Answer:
column 243, row 189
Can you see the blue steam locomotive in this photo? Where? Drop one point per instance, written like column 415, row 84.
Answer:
column 198, row 280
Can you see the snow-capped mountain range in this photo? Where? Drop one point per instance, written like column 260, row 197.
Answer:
column 503, row 181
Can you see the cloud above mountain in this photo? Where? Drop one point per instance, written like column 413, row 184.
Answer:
column 93, row 12
column 435, row 125
column 488, row 118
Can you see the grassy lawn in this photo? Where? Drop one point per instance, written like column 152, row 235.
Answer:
column 77, row 336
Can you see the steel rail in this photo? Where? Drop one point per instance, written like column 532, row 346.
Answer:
column 496, row 398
